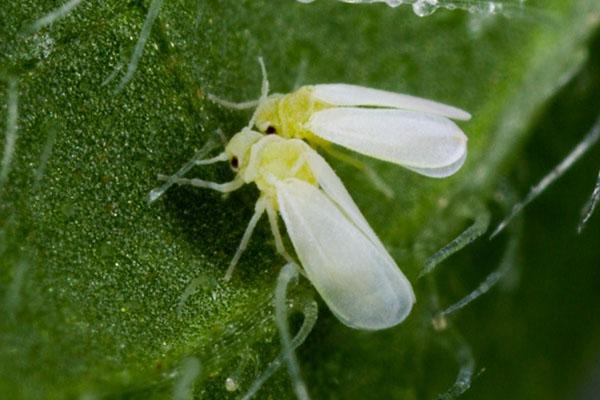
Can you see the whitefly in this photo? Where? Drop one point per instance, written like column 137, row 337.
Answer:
column 339, row 252
column 409, row 131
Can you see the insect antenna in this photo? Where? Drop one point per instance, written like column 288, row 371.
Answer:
column 170, row 181
column 264, row 91
column 243, row 105
column 221, row 157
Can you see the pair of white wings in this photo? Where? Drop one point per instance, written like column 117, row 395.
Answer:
column 340, row 253
column 410, row 131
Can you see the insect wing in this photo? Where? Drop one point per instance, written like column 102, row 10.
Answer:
column 428, row 144
column 332, row 185
column 340, row 94
column 441, row 172
column 361, row 284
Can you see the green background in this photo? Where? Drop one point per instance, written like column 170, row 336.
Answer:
column 93, row 279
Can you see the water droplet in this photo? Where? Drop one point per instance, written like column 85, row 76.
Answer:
column 424, row 8
column 494, row 8
column 394, row 3
column 231, row 385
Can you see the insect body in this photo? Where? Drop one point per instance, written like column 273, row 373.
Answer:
column 339, row 252
column 405, row 130
column 413, row 132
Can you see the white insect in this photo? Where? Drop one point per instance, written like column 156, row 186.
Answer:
column 339, row 252
column 415, row 133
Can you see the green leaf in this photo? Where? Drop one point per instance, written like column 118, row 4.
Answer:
column 105, row 295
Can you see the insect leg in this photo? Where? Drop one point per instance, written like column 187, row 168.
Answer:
column 274, row 224
column 203, row 152
column 377, row 182
column 219, row 187
column 259, row 209
column 277, row 234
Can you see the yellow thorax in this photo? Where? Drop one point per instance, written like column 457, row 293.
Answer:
column 287, row 115
column 273, row 159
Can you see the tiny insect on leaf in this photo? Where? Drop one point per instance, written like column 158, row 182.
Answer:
column 339, row 252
